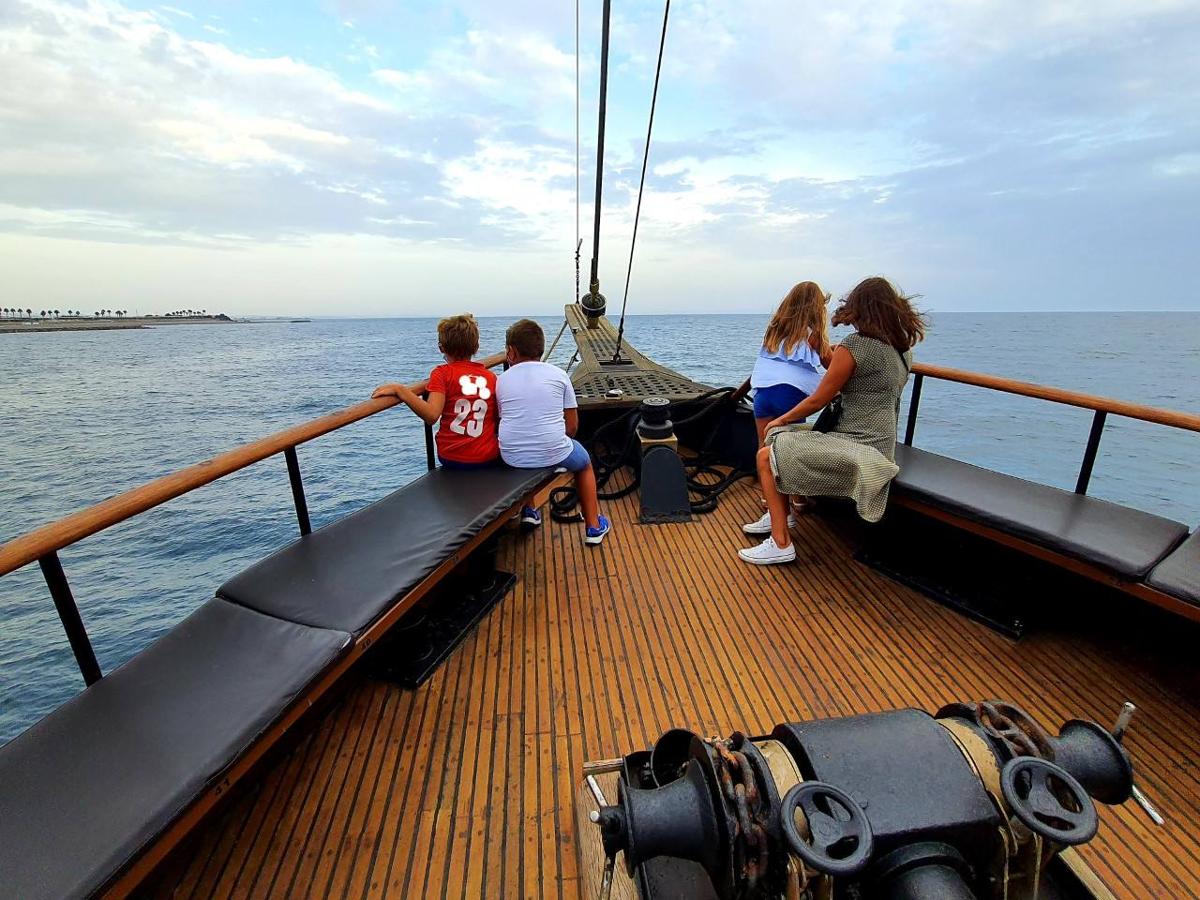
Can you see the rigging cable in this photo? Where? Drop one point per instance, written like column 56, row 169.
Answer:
column 578, row 239
column 662, row 43
column 594, row 288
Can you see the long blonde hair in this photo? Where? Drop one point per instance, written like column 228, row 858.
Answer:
column 800, row 317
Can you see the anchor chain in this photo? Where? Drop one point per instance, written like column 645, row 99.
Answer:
column 1013, row 727
column 738, row 784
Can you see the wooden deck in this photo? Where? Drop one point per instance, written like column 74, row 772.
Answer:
column 465, row 788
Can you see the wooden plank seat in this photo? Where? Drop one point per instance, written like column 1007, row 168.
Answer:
column 84, row 790
column 346, row 575
column 1126, row 542
column 1179, row 573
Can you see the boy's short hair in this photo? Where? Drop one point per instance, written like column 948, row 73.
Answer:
column 527, row 338
column 458, row 336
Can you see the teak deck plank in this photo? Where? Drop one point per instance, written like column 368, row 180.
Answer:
column 466, row 787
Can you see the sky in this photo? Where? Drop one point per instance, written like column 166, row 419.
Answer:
column 375, row 158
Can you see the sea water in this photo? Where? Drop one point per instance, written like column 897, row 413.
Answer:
column 86, row 415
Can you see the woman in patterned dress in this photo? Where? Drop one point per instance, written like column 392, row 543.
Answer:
column 856, row 459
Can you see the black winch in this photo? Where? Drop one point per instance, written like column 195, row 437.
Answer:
column 664, row 479
column 896, row 805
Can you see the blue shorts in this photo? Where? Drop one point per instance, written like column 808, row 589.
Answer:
column 577, row 460
column 773, row 401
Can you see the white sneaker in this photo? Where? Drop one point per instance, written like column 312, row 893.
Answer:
column 763, row 525
column 768, row 553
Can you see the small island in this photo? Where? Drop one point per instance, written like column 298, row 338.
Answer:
column 15, row 320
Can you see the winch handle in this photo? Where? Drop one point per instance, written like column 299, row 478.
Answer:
column 1034, row 789
column 840, row 841
column 1118, row 733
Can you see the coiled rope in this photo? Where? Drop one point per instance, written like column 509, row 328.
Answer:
column 615, row 446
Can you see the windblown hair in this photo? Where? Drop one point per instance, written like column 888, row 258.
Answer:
column 527, row 338
column 458, row 336
column 800, row 317
column 876, row 309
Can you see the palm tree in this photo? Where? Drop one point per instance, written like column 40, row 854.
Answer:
column 57, row 314
column 29, row 313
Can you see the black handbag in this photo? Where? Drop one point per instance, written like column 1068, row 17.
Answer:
column 828, row 420
column 830, row 416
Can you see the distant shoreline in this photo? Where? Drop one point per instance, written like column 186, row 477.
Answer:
column 26, row 326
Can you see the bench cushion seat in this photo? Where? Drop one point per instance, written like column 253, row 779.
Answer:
column 347, row 574
column 83, row 790
column 1123, row 541
column 1179, row 574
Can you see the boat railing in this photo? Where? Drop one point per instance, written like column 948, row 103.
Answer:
column 1102, row 407
column 42, row 544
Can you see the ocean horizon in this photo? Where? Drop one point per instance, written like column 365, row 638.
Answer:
column 89, row 414
column 615, row 314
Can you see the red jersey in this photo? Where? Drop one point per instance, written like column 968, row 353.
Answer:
column 467, row 432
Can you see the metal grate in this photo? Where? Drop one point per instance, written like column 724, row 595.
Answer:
column 637, row 384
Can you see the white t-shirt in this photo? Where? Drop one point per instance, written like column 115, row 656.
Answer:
column 532, row 397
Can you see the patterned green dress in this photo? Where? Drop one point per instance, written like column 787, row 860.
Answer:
column 856, row 460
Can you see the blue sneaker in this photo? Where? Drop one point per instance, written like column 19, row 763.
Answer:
column 530, row 517
column 596, row 535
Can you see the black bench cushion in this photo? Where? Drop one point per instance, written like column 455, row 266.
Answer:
column 350, row 572
column 83, row 790
column 1126, row 542
column 1179, row 574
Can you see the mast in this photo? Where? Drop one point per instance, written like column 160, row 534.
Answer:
column 594, row 302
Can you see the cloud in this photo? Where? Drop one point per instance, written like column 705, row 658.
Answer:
column 110, row 110
column 952, row 145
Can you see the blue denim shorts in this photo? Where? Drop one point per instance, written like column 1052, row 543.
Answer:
column 577, row 460
column 773, row 401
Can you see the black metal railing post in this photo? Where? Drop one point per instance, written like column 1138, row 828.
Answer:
column 293, row 467
column 914, row 401
column 1089, row 455
column 430, row 456
column 68, row 613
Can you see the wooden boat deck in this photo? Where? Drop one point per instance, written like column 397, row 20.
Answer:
column 465, row 788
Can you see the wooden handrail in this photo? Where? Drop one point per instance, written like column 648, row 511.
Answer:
column 1188, row 421
column 51, row 538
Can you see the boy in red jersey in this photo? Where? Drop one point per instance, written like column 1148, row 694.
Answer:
column 462, row 394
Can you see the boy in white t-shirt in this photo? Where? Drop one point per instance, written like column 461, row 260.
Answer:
column 538, row 419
